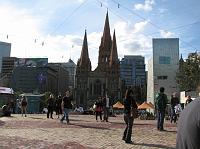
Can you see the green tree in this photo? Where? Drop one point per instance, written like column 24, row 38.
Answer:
column 188, row 76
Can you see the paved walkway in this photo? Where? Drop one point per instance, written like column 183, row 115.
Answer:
column 38, row 132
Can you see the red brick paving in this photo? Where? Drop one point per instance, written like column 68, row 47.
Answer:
column 83, row 133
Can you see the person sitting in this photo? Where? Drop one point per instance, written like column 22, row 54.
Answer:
column 6, row 110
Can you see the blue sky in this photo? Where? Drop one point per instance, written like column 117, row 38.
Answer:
column 61, row 24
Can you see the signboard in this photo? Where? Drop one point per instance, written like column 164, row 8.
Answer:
column 31, row 62
column 5, row 90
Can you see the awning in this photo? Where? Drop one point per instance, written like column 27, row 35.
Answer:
column 118, row 105
column 145, row 105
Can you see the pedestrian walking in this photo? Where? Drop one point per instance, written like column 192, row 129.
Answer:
column 129, row 106
column 188, row 133
column 66, row 106
column 174, row 103
column 58, row 106
column 161, row 104
column 24, row 104
column 99, row 109
column 50, row 106
column 106, row 108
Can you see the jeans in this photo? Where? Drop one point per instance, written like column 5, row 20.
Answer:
column 50, row 111
column 105, row 114
column 161, row 116
column 98, row 113
column 66, row 115
column 173, row 115
column 129, row 124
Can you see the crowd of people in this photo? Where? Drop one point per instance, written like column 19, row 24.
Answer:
column 189, row 119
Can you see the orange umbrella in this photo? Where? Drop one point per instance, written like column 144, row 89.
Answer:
column 118, row 105
column 145, row 105
column 151, row 105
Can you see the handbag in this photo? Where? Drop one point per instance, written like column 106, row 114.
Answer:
column 134, row 112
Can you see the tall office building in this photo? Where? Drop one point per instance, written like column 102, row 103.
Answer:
column 162, row 67
column 70, row 66
column 8, row 64
column 5, row 49
column 132, row 70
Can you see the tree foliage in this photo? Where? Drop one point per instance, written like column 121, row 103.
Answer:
column 188, row 77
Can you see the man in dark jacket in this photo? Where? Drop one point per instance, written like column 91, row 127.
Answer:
column 188, row 136
column 66, row 106
column 129, row 104
column 161, row 103
column 50, row 105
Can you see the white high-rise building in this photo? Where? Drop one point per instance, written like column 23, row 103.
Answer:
column 5, row 49
column 162, row 67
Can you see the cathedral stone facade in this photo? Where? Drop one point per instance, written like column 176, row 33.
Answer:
column 89, row 85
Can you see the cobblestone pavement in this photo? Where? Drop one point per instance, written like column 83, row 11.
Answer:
column 83, row 132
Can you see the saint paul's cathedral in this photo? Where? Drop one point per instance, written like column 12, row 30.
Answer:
column 105, row 79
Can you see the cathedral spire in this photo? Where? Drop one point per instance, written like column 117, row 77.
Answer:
column 84, row 59
column 84, row 53
column 114, row 55
column 106, row 38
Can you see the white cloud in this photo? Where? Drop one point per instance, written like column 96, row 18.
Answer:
column 147, row 6
column 138, row 27
column 130, row 41
column 23, row 27
column 166, row 34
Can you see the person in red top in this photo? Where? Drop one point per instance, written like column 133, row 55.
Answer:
column 99, row 109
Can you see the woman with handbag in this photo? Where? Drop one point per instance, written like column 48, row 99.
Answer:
column 130, row 112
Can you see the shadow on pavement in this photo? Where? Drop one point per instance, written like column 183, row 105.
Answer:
column 79, row 120
column 36, row 117
column 174, row 131
column 153, row 145
column 2, row 123
column 93, row 127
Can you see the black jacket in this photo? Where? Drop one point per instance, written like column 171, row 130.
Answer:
column 128, row 103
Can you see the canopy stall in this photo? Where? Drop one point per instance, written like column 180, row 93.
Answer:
column 118, row 105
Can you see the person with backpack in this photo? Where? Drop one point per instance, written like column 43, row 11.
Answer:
column 161, row 104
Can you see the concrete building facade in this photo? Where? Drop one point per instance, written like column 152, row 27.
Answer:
column 62, row 77
column 162, row 67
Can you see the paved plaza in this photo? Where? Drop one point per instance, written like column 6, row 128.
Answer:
column 83, row 132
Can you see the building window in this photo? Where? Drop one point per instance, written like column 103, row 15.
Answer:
column 162, row 77
column 164, row 60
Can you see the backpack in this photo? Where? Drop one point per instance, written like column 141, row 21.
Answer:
column 161, row 103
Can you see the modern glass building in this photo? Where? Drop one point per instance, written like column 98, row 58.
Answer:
column 5, row 49
column 132, row 70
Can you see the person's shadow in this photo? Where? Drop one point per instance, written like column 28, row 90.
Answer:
column 2, row 123
column 154, row 145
